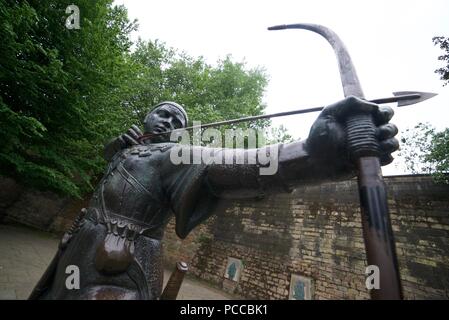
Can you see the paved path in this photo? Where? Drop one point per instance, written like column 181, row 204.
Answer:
column 25, row 254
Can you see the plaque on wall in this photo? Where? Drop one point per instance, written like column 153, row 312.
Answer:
column 301, row 288
column 234, row 269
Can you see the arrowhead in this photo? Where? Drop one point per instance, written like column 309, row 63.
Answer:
column 420, row 96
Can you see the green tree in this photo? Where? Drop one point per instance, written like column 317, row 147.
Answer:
column 59, row 90
column 64, row 92
column 228, row 90
column 209, row 93
column 426, row 150
column 443, row 42
column 278, row 135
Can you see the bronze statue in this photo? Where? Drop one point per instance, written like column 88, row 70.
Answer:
column 116, row 241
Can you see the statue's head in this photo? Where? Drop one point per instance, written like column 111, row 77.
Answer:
column 164, row 117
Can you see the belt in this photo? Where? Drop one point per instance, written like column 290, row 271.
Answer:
column 123, row 226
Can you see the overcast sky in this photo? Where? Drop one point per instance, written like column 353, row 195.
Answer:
column 390, row 43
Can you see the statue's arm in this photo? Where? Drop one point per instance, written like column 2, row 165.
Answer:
column 277, row 168
column 323, row 156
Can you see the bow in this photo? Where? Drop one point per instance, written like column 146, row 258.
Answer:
column 364, row 151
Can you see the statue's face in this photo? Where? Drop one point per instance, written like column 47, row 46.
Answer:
column 163, row 119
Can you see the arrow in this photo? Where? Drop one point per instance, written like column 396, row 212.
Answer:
column 403, row 98
column 414, row 97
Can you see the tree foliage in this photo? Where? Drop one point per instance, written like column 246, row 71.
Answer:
column 278, row 135
column 426, row 150
column 57, row 88
column 65, row 92
column 209, row 93
column 443, row 42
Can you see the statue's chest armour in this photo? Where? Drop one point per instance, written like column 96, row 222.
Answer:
column 137, row 166
column 133, row 204
column 136, row 153
column 132, row 186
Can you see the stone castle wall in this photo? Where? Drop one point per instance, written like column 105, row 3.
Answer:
column 313, row 232
column 316, row 232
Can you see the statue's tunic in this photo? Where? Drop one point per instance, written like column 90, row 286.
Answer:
column 116, row 243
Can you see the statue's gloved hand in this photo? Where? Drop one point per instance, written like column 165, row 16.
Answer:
column 327, row 141
column 126, row 140
column 130, row 137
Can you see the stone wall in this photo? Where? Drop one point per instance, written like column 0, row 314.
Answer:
column 42, row 210
column 316, row 232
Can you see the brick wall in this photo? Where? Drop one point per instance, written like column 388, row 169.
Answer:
column 42, row 210
column 316, row 232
